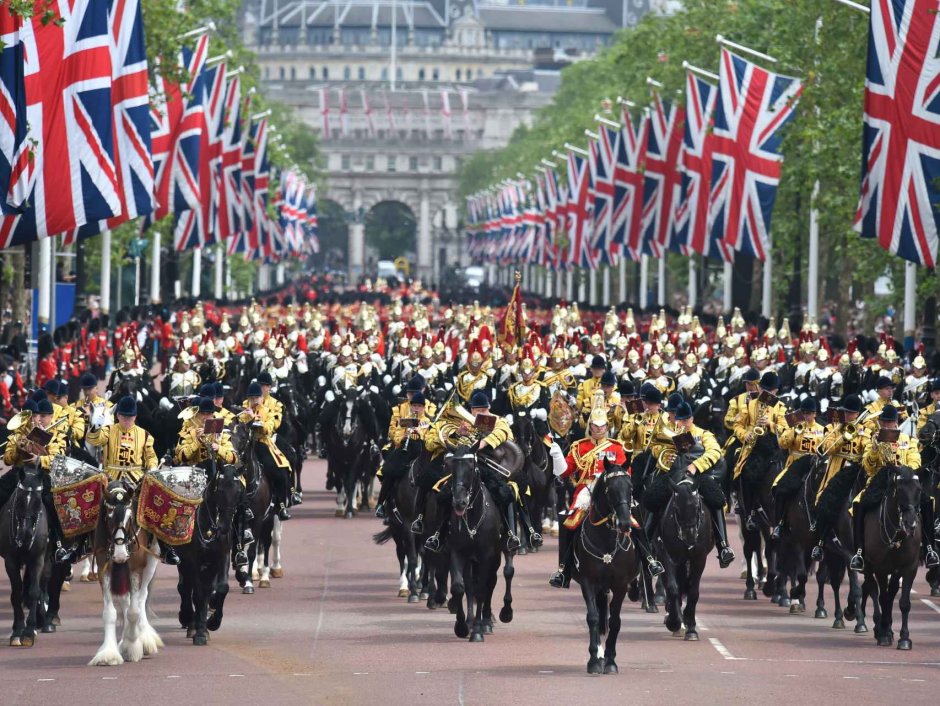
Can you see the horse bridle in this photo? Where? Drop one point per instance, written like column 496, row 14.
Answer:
column 894, row 537
column 207, row 538
column 15, row 522
column 611, row 522
column 130, row 532
column 475, row 491
column 680, row 528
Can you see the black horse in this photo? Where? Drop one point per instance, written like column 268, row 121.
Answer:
column 685, row 538
column 538, row 475
column 348, row 451
column 605, row 561
column 24, row 539
column 892, row 548
column 475, row 540
column 258, row 499
column 755, row 505
column 204, row 562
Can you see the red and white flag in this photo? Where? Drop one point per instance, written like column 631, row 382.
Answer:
column 367, row 111
column 325, row 113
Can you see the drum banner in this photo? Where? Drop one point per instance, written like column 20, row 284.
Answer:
column 78, row 504
column 169, row 516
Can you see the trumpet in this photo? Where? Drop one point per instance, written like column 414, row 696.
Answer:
column 246, row 416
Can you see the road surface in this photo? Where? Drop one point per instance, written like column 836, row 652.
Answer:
column 333, row 631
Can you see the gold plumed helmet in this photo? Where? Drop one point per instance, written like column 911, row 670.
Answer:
column 598, row 409
column 622, row 343
column 691, row 359
column 633, row 356
column 919, row 363
column 737, row 321
column 656, row 361
column 669, row 349
column 761, row 354
column 346, row 351
column 822, row 355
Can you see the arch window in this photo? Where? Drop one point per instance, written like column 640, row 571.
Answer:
column 293, row 73
column 326, row 73
column 347, row 73
column 458, row 75
column 280, row 73
column 420, row 74
column 311, row 73
column 362, row 73
column 435, row 74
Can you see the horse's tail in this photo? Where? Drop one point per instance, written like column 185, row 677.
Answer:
column 383, row 536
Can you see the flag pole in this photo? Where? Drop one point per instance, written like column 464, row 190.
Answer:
column 693, row 282
column 622, row 277
column 606, row 287
column 747, row 50
column 767, row 299
column 699, row 71
column 105, row 271
column 644, row 280
column 855, row 6
column 910, row 304
column 155, row 268
column 219, row 268
column 43, row 278
column 728, row 274
column 661, row 281
column 197, row 272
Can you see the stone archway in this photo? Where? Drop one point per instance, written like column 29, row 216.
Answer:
column 390, row 232
column 333, row 234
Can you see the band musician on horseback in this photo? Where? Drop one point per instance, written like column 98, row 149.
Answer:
column 709, row 469
column 879, row 455
column 799, row 440
column 21, row 451
column 410, row 423
column 272, row 460
column 454, row 430
column 586, row 459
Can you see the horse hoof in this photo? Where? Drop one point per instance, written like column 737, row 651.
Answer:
column 821, row 613
column 339, row 513
column 691, row 636
column 633, row 591
column 48, row 628
column 905, row 644
column 66, row 586
column 768, row 591
column 794, row 609
column 402, row 592
column 56, row 620
column 651, row 608
column 849, row 613
column 277, row 573
column 349, row 515
column 190, row 633
column 750, row 595
column 16, row 642
column 201, row 640
column 452, row 606
column 28, row 641
column 264, row 583
column 93, row 576
column 610, row 667
column 487, row 629
column 860, row 629
column 594, row 667
column 885, row 641
column 248, row 591
column 476, row 637
column 935, row 591
column 522, row 551
column 413, row 598
column 461, row 630
column 214, row 622
column 838, row 624
column 505, row 614
column 659, row 600
column 784, row 603
column 424, row 595
column 84, row 578
column 775, row 600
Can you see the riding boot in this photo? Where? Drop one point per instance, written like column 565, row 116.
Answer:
column 562, row 577
column 385, row 492
column 417, row 527
column 725, row 554
column 280, row 486
column 168, row 554
column 651, row 525
column 62, row 554
column 931, row 558
column 857, row 562
column 748, row 515
column 535, row 539
column 780, row 512
column 509, row 517
column 641, row 540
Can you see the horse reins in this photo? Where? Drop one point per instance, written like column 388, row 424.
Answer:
column 34, row 518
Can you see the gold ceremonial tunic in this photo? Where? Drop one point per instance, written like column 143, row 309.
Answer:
column 396, row 434
column 840, row 452
column 707, row 440
column 638, row 429
column 190, row 450
column 747, row 420
column 126, row 455
column 799, row 444
column 269, row 425
column 14, row 456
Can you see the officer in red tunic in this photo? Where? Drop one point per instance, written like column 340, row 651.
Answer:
column 585, row 461
column 46, row 367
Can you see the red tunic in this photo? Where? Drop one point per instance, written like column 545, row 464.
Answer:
column 45, row 371
column 585, row 464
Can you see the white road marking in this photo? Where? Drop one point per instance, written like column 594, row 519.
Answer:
column 301, row 674
column 460, row 691
column 322, row 612
column 172, row 676
column 46, row 679
column 546, row 671
column 930, row 604
column 360, row 674
column 721, row 649
column 422, row 672
column 109, row 678
column 700, row 625
column 914, row 680
column 727, row 672
column 850, row 677
column 236, row 675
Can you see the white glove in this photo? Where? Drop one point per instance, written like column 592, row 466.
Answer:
column 396, row 390
column 509, row 419
column 386, row 379
column 540, row 414
column 302, row 367
column 583, row 499
column 559, row 464
column 165, row 404
column 448, row 386
column 824, row 404
column 374, row 389
column 145, row 392
column 140, row 397
column 329, row 396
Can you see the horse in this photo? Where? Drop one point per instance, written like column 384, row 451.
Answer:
column 475, row 541
column 605, row 560
column 892, row 549
column 258, row 496
column 204, row 562
column 537, row 474
column 685, row 538
column 127, row 557
column 754, row 495
column 291, row 437
column 348, row 452
column 24, row 541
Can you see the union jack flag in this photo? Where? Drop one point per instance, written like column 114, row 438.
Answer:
column 67, row 78
column 313, row 224
column 630, row 175
column 900, row 195
column 231, row 209
column 580, row 214
column 752, row 105
column 266, row 235
column 15, row 164
column 245, row 240
column 601, row 160
column 131, row 105
column 663, row 180
column 695, row 162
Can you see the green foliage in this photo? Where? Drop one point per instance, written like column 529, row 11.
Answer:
column 823, row 143
column 390, row 229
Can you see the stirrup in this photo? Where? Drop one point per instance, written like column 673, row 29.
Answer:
column 433, row 543
column 777, row 532
column 750, row 524
column 248, row 536
column 725, row 557
column 380, row 511
column 248, row 514
column 932, row 559
column 655, row 566
column 512, row 542
column 283, row 514
column 817, row 553
column 535, row 539
column 63, row 555
column 241, row 559
column 857, row 562
column 559, row 579
column 417, row 527
column 296, row 498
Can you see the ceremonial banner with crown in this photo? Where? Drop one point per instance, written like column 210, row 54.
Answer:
column 168, row 515
column 78, row 504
